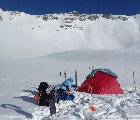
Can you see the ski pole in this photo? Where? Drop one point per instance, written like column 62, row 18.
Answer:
column 134, row 80
column 65, row 75
column 76, row 78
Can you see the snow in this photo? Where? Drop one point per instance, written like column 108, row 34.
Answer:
column 30, row 35
column 29, row 56
column 20, row 77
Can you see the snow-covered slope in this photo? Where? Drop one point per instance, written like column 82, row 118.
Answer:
column 19, row 79
column 102, row 41
column 33, row 35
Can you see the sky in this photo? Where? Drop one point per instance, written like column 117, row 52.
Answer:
column 125, row 7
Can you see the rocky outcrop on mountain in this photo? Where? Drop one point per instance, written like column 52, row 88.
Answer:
column 15, row 13
column 49, row 17
column 45, row 18
column 74, row 13
column 73, row 16
column 122, row 18
column 92, row 17
column 68, row 20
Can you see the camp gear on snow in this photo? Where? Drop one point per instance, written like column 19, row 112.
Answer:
column 51, row 88
column 60, row 90
column 37, row 95
column 53, row 99
column 52, row 107
column 65, row 74
column 68, row 91
column 53, row 94
column 101, row 81
column 75, row 78
column 60, row 73
column 93, row 108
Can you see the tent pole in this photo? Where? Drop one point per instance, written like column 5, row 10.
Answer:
column 134, row 80
column 65, row 75
column 92, row 68
column 92, row 96
column 76, row 78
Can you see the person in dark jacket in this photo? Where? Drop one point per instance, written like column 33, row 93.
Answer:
column 43, row 95
column 48, row 96
column 43, row 86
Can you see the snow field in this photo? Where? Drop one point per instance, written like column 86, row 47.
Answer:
column 102, row 43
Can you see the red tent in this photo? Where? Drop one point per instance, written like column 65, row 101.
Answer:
column 101, row 82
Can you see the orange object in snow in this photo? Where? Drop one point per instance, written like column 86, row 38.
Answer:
column 68, row 91
column 92, row 108
column 36, row 97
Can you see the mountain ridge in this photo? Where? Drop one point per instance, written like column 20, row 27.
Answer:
column 35, row 35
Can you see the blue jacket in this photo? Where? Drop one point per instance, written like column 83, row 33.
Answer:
column 68, row 83
column 64, row 96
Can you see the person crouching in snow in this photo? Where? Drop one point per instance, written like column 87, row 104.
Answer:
column 47, row 94
column 66, row 90
column 68, row 83
column 42, row 101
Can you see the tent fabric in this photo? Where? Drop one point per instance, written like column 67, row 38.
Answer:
column 101, row 82
column 107, row 71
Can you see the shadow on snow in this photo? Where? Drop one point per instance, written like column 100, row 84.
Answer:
column 17, row 109
column 29, row 99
